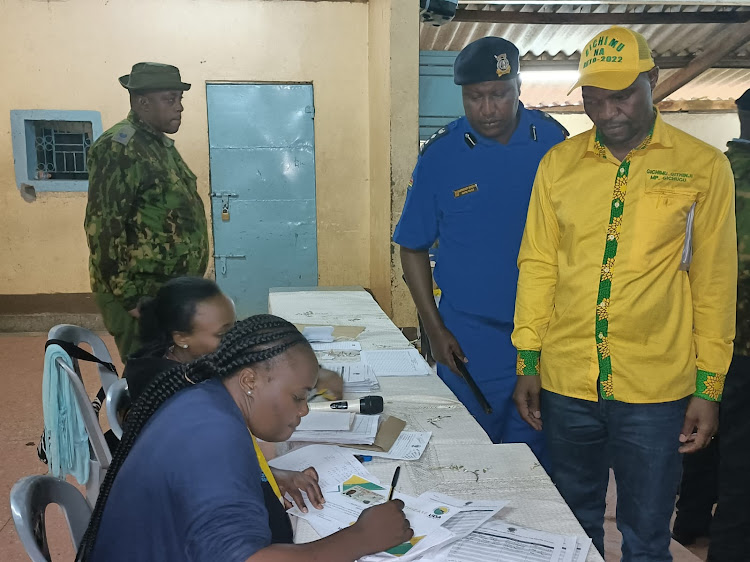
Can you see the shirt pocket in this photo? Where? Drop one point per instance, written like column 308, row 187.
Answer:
column 661, row 219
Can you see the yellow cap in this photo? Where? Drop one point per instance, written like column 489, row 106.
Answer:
column 613, row 59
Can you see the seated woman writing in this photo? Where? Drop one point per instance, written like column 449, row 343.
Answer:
column 190, row 487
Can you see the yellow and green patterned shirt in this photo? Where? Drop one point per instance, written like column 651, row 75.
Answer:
column 610, row 302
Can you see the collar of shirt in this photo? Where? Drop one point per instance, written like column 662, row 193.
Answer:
column 148, row 129
column 741, row 141
column 660, row 138
column 521, row 135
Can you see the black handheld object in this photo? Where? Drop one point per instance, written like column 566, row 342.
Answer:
column 394, row 482
column 472, row 385
column 367, row 405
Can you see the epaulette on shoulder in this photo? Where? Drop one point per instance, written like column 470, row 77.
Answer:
column 550, row 119
column 440, row 133
column 124, row 135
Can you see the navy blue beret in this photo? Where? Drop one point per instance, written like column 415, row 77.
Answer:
column 743, row 102
column 486, row 59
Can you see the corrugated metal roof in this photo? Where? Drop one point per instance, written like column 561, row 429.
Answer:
column 562, row 44
column 567, row 40
column 714, row 84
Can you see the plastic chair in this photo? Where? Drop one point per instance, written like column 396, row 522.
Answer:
column 29, row 499
column 101, row 457
column 118, row 399
column 77, row 335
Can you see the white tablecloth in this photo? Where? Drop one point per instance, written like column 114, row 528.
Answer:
column 460, row 459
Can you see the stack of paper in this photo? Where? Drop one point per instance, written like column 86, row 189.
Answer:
column 361, row 432
column 326, row 421
column 437, row 520
column 318, row 333
column 358, row 377
column 497, row 540
column 396, row 362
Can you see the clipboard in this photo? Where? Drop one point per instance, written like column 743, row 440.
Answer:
column 472, row 385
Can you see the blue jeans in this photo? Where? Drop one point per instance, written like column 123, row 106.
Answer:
column 640, row 442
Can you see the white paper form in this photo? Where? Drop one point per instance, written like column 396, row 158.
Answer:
column 583, row 544
column 409, row 446
column 396, row 362
column 336, row 346
column 357, row 377
column 333, row 464
column 496, row 540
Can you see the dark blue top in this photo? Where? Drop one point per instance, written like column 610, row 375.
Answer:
column 471, row 194
column 190, row 489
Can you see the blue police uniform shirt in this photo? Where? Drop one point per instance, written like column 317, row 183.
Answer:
column 471, row 194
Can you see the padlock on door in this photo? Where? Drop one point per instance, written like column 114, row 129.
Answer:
column 225, row 212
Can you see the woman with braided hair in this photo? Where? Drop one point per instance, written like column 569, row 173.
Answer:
column 183, row 486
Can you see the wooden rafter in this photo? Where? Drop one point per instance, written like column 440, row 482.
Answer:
column 612, row 18
column 727, row 42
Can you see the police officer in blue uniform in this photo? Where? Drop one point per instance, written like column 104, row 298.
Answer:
column 470, row 191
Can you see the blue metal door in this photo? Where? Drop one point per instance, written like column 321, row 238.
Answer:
column 439, row 98
column 262, row 158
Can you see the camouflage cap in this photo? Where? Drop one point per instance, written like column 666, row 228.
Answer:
column 153, row 76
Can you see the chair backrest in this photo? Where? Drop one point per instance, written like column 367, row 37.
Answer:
column 101, row 456
column 77, row 335
column 29, row 499
column 118, row 399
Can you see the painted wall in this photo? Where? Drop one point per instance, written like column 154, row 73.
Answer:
column 394, row 81
column 68, row 55
column 714, row 128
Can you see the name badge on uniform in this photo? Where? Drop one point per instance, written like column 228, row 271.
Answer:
column 465, row 190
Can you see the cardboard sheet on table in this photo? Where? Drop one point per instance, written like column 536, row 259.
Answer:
column 346, row 332
column 387, row 434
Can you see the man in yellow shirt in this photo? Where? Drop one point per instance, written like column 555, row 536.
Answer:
column 626, row 297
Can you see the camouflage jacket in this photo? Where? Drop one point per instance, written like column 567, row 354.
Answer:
column 739, row 157
column 145, row 222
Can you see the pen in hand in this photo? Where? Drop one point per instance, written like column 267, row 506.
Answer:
column 394, row 482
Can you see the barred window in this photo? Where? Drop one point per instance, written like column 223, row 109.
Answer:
column 60, row 150
column 50, row 148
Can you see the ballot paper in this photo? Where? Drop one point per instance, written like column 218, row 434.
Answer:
column 396, row 362
column 358, row 377
column 362, row 431
column 336, row 346
column 333, row 464
column 326, row 421
column 409, row 446
column 323, row 334
column 497, row 540
column 437, row 519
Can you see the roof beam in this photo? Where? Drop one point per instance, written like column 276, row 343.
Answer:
column 728, row 41
column 613, row 18
column 698, row 106
column 663, row 63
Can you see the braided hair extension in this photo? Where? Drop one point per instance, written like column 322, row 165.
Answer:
column 250, row 342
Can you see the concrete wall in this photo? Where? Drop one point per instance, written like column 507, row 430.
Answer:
column 68, row 55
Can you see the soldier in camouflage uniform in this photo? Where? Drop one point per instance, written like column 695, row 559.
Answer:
column 145, row 222
column 730, row 532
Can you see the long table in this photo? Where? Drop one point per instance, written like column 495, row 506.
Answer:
column 460, row 459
